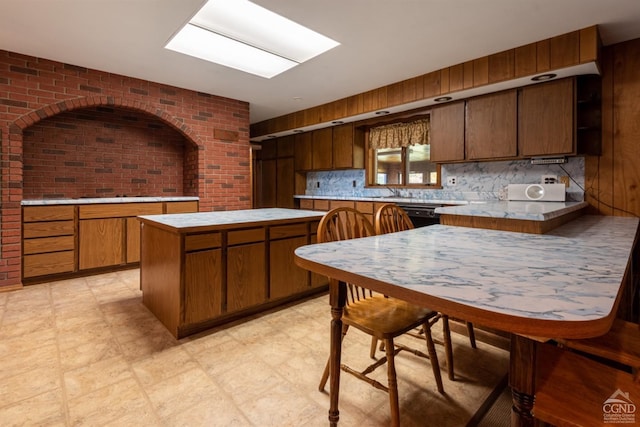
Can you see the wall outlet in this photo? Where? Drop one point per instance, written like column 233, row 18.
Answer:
column 452, row 180
column 549, row 179
column 565, row 180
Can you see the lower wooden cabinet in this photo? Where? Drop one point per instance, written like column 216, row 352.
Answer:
column 246, row 278
column 203, row 285
column 70, row 239
column 101, row 243
column 285, row 277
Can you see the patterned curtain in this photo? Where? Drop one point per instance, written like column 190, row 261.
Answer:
column 400, row 134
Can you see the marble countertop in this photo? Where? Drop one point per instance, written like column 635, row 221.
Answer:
column 385, row 199
column 572, row 273
column 106, row 200
column 191, row 221
column 533, row 211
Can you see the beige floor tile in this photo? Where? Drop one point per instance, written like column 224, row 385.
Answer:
column 181, row 392
column 109, row 404
column 162, row 365
column 28, row 384
column 46, row 409
column 90, row 378
column 87, row 352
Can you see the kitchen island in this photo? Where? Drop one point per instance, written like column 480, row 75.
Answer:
column 202, row 269
column 567, row 283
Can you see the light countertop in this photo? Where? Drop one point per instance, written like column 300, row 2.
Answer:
column 572, row 273
column 190, row 221
column 106, row 200
column 533, row 211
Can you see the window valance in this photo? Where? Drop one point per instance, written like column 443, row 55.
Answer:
column 399, row 135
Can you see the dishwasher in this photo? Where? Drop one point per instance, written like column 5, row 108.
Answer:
column 421, row 214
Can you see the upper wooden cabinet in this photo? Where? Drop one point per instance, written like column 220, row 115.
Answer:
column 322, row 148
column 447, row 132
column 338, row 147
column 491, row 130
column 302, row 151
column 546, row 119
column 348, row 147
column 537, row 120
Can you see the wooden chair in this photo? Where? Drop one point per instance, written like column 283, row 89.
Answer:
column 374, row 314
column 390, row 218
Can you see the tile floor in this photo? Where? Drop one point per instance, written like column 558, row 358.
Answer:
column 86, row 352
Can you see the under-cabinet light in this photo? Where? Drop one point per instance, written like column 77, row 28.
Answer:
column 548, row 160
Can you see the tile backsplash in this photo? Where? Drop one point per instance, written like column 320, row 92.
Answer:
column 474, row 181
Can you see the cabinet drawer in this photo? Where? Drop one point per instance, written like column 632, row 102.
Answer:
column 48, row 244
column 306, row 204
column 47, row 213
column 48, row 229
column 117, row 210
column 365, row 207
column 289, row 230
column 342, row 204
column 321, row 205
column 181, row 207
column 250, row 235
column 51, row 263
column 196, row 242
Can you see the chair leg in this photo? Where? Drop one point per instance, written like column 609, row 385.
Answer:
column 472, row 334
column 393, row 383
column 325, row 374
column 448, row 348
column 433, row 357
column 374, row 344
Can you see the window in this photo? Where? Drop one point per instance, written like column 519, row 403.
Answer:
column 399, row 155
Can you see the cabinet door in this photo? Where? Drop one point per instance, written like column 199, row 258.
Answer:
column 348, row 147
column 268, row 198
column 285, row 183
column 203, row 285
column 491, row 126
column 269, row 149
column 285, row 277
column 285, row 146
column 101, row 242
column 546, row 120
column 322, row 148
column 246, row 276
column 447, row 132
column 303, row 152
column 133, row 239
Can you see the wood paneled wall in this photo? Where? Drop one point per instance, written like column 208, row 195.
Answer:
column 577, row 47
column 613, row 179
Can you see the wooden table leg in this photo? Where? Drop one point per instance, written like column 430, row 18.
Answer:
column 522, row 380
column 337, row 299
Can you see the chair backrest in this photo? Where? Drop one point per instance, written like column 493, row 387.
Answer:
column 390, row 218
column 345, row 224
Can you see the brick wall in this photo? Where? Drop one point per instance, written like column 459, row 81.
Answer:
column 212, row 148
column 103, row 152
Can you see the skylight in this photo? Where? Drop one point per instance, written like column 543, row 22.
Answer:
column 242, row 35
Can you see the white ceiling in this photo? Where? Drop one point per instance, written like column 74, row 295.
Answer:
column 382, row 41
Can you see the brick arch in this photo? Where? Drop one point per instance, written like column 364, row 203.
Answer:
column 104, row 101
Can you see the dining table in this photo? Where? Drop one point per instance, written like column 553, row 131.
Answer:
column 567, row 283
